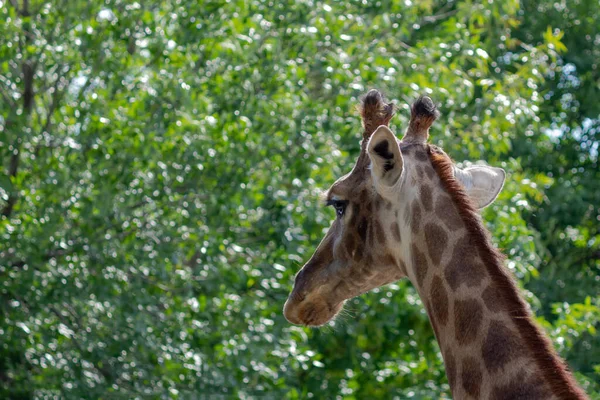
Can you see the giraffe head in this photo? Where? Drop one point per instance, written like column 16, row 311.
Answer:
column 376, row 205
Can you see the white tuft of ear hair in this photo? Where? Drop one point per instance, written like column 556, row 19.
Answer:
column 482, row 183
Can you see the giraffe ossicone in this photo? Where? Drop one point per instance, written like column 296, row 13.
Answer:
column 406, row 210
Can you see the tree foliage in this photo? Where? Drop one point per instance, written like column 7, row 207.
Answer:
column 161, row 168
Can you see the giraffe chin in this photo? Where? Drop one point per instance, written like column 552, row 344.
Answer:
column 311, row 312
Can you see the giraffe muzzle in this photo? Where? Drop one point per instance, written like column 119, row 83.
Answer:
column 311, row 311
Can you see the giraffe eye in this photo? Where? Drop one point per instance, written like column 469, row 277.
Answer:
column 339, row 205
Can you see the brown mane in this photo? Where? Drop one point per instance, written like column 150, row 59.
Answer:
column 554, row 369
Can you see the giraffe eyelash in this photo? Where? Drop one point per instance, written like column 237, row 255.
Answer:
column 339, row 205
column 332, row 202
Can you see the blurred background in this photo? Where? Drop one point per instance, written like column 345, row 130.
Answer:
column 161, row 163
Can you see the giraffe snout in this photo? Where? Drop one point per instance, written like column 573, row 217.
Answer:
column 311, row 311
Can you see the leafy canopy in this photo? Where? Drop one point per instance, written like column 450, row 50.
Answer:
column 160, row 169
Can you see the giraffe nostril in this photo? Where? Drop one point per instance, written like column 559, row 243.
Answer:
column 298, row 297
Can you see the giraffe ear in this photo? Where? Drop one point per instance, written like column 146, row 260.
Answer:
column 386, row 160
column 483, row 183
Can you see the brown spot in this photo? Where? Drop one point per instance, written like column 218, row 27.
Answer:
column 395, row 231
column 426, row 199
column 420, row 172
column 359, row 251
column 437, row 239
column 464, row 267
column 494, row 300
column 471, row 376
column 439, row 300
column 430, row 171
column 363, row 227
column 519, row 388
column 450, row 363
column 355, row 210
column 369, row 206
column 415, row 211
column 468, row 315
column 378, row 202
column 363, row 196
column 387, row 260
column 500, row 347
column 388, row 205
column 420, row 264
column 446, row 211
column 421, row 154
column 380, row 234
column 355, row 216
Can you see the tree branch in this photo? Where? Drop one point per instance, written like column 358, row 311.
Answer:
column 56, row 97
column 46, row 257
column 12, row 172
column 28, row 74
column 15, row 5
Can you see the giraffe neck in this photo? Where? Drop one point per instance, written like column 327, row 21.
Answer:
column 484, row 353
column 490, row 344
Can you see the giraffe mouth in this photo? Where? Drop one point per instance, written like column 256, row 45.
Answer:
column 319, row 317
column 313, row 313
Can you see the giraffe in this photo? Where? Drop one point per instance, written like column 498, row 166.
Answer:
column 405, row 210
